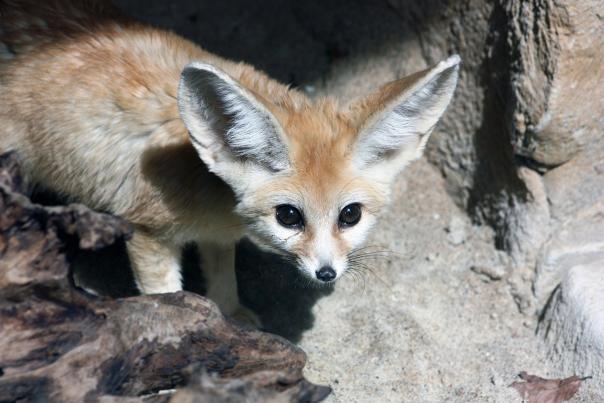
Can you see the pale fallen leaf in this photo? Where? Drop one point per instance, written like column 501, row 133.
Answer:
column 535, row 389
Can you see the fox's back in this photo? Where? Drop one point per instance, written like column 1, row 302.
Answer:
column 85, row 92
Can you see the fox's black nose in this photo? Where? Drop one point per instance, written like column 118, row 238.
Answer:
column 326, row 273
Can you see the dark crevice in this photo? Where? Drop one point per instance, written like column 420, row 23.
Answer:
column 530, row 163
column 497, row 187
column 543, row 313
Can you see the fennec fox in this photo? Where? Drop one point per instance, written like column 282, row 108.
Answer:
column 190, row 147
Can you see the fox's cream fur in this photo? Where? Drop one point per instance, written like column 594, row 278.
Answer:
column 190, row 147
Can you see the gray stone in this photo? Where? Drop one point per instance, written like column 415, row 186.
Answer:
column 557, row 82
column 456, row 230
column 573, row 324
column 578, row 241
column 578, row 184
column 494, row 273
column 527, row 219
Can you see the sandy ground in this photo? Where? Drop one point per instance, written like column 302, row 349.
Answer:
column 423, row 326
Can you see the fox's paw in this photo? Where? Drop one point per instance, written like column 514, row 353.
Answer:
column 247, row 316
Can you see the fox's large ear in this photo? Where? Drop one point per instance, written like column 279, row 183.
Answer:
column 229, row 126
column 400, row 116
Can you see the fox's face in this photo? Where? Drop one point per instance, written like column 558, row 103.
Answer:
column 310, row 180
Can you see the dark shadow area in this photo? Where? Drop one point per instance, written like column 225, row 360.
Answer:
column 106, row 272
column 293, row 41
column 496, row 184
column 270, row 286
column 273, row 288
column 277, row 291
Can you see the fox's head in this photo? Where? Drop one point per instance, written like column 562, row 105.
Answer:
column 310, row 179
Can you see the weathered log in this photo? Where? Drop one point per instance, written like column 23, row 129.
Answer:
column 58, row 343
column 261, row 386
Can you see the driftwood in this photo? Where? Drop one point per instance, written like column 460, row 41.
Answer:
column 58, row 343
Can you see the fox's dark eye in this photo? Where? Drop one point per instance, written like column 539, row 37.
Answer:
column 350, row 215
column 289, row 216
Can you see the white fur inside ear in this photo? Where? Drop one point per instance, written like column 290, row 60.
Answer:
column 252, row 133
column 400, row 130
column 226, row 122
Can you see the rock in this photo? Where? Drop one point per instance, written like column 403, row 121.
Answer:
column 493, row 273
column 578, row 184
column 569, row 285
column 527, row 219
column 573, row 323
column 578, row 241
column 557, row 108
column 556, row 79
column 57, row 342
column 456, row 231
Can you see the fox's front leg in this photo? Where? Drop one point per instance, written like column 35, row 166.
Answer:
column 218, row 262
column 155, row 264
